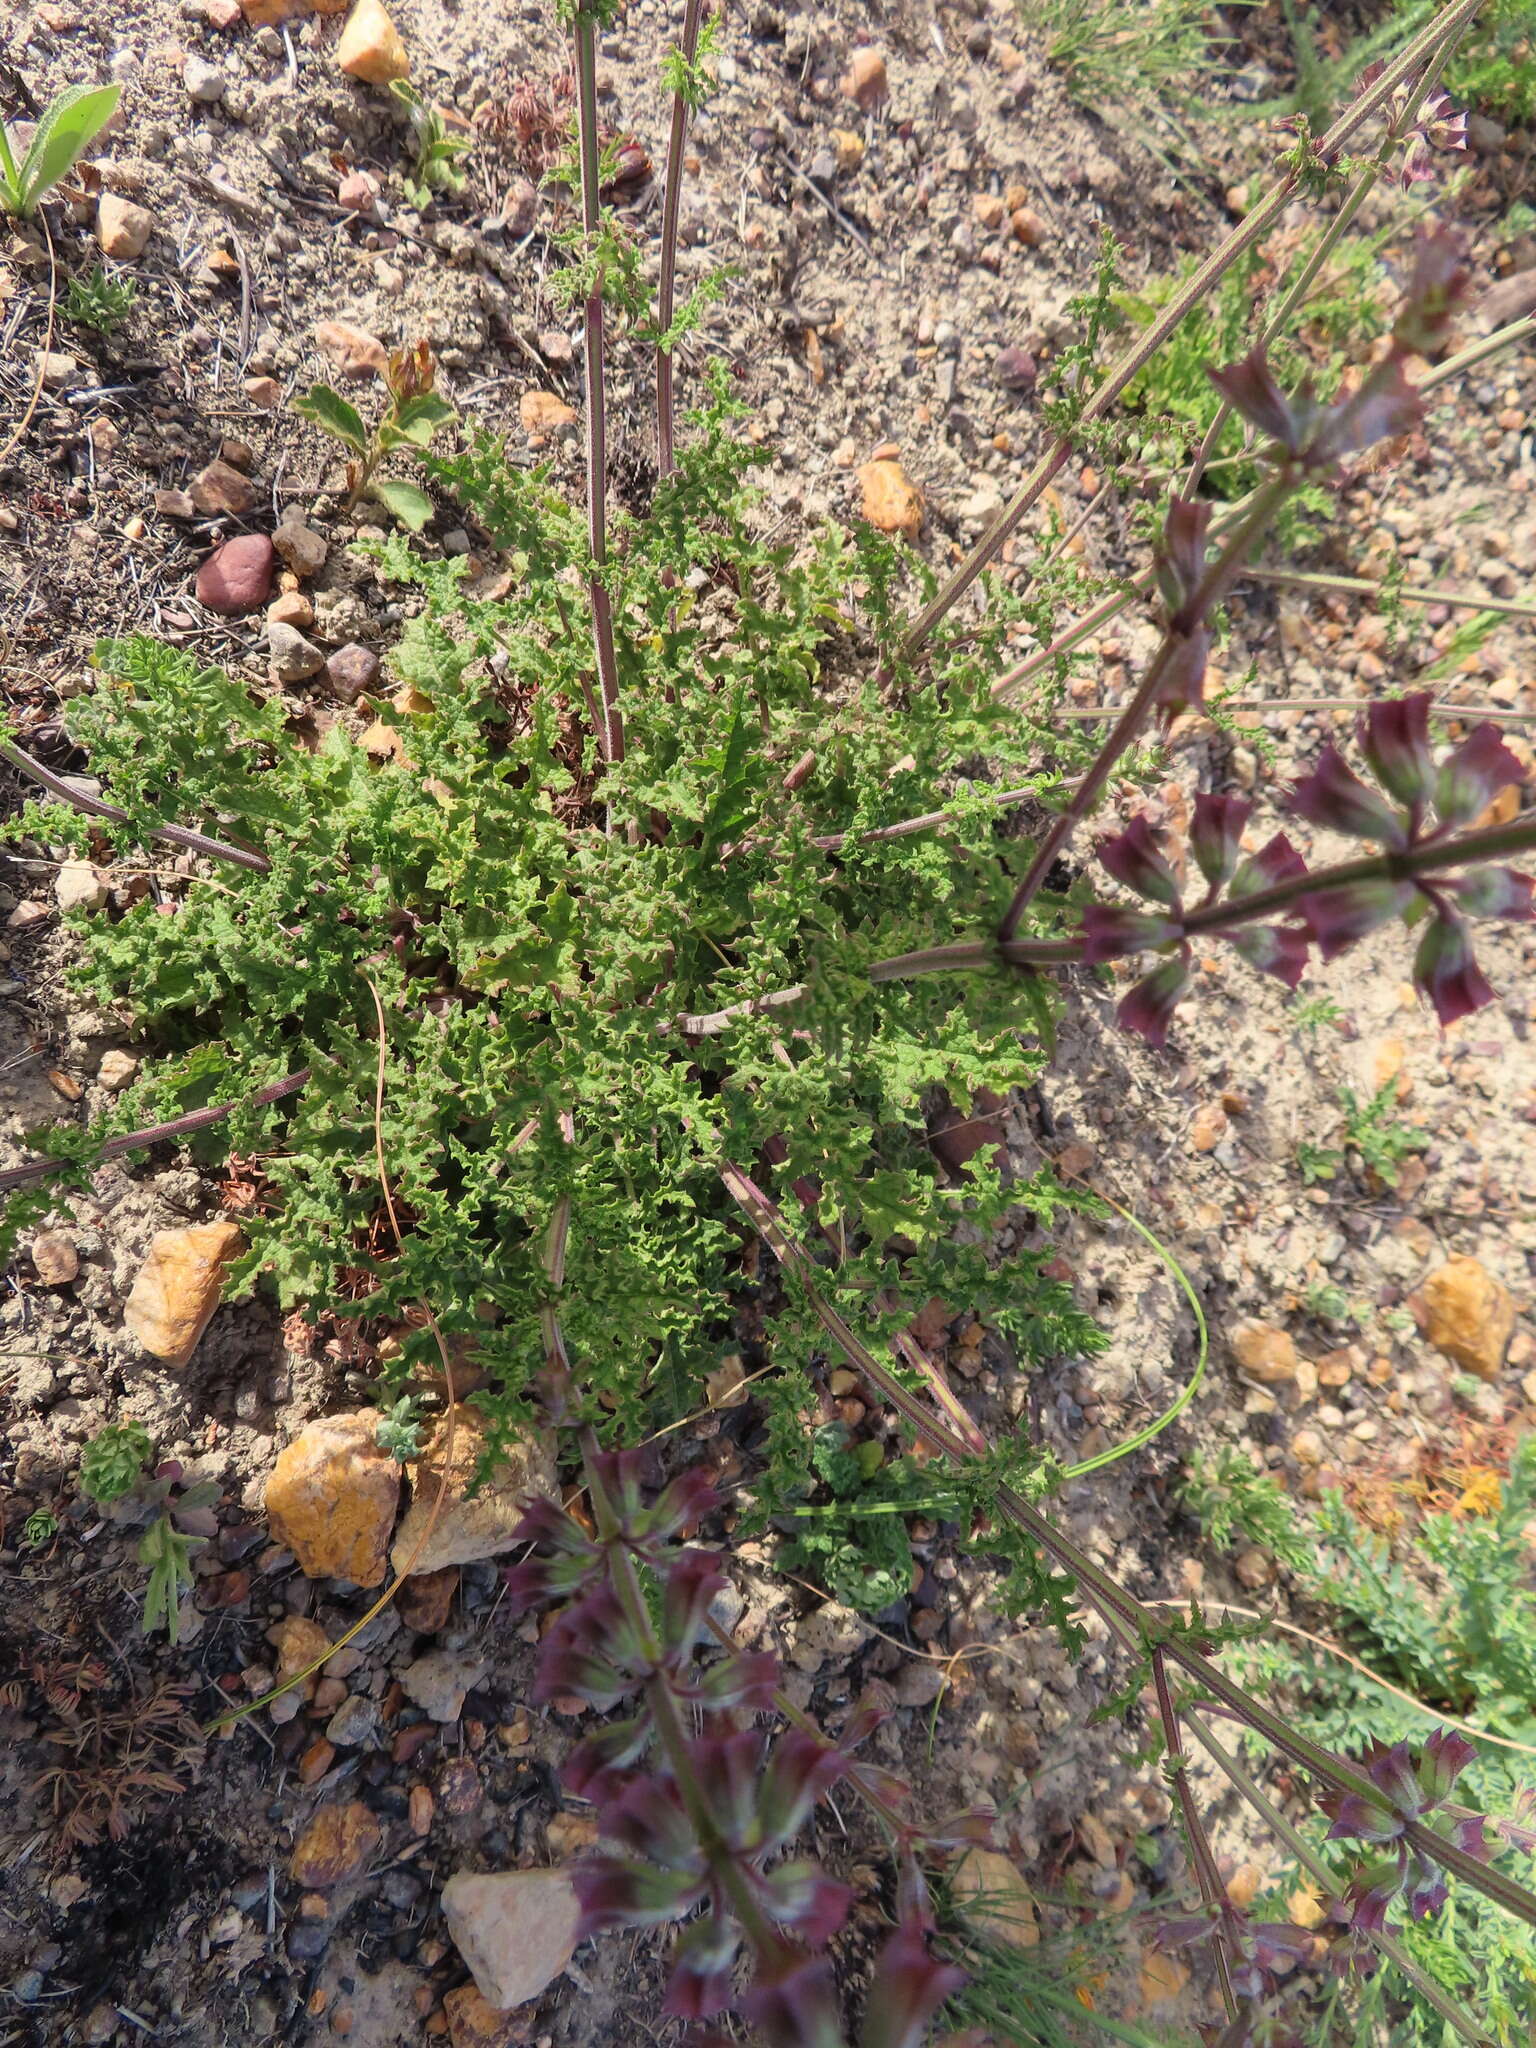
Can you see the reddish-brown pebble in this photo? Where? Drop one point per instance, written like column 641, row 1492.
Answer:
column 237, row 577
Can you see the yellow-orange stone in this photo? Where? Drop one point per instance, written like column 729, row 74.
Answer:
column 892, row 501
column 994, row 1897
column 178, row 1287
column 371, row 48
column 335, row 1846
column 332, row 1498
column 1469, row 1315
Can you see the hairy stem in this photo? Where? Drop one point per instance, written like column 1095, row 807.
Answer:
column 611, row 733
column 94, row 807
column 155, row 1134
column 1206, row 1874
column 671, row 206
column 1218, row 580
column 1388, row 1944
column 1250, row 230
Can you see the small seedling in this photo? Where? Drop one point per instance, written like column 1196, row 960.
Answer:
column 437, row 152
column 1374, row 1131
column 99, row 300
column 410, row 420
column 1230, row 1499
column 399, row 1430
column 112, row 1461
column 1327, row 1302
column 39, row 1528
column 184, row 1524
column 69, row 125
column 1315, row 1014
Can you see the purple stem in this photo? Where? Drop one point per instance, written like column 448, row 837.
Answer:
column 94, row 807
column 153, row 1134
column 671, row 207
column 611, row 732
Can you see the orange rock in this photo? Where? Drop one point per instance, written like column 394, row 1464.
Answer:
column 1207, row 1127
column 298, row 1641
column 1162, row 1977
column 1469, row 1315
column 541, row 412
column 178, row 1287
column 864, row 82
column 271, row 13
column 425, row 1599
column 1028, row 227
column 1265, row 1353
column 336, row 1845
column 892, row 502
column 332, row 1498
column 474, row 2024
column 122, row 229
column 371, row 48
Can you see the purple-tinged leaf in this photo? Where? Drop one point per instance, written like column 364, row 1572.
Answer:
column 693, row 1580
column 683, row 1504
column 1439, row 279
column 1371, row 1890
column 1110, row 932
column 1249, row 388
column 648, row 1817
column 1441, row 1762
column 801, row 1768
column 1394, row 737
column 700, row 1984
column 730, row 1772
column 1445, row 970
column 1338, row 918
column 745, row 1681
column 595, row 1767
column 1216, row 835
column 1391, row 1770
column 908, row 1988
column 1381, row 408
column 796, row 2007
column 1183, row 684
column 1360, row 1819
column 1494, row 892
column 1275, row 862
column 1278, row 949
column 624, row 1891
column 1148, row 1008
column 1471, row 1837
column 1334, row 796
column 1181, row 567
column 1135, row 858
column 1473, row 776
column 803, row 1898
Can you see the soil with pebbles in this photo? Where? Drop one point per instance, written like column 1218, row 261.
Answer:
column 876, row 280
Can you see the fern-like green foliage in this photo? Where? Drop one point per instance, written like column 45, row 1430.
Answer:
column 1466, row 1646
column 534, row 934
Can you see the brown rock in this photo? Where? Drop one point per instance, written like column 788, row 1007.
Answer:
column 371, row 47
column 474, row 2024
column 335, row 1846
column 221, row 489
column 264, row 392
column 300, row 547
column 54, row 1258
column 122, row 229
column 358, row 192
column 332, row 1498
column 316, row 1761
column 351, row 350
column 515, row 1929
column 290, row 657
column 892, row 502
column 425, row 1599
column 541, row 412
column 237, row 577
column 1028, row 227
column 995, row 1899
column 179, row 505
column 1255, row 1569
column 271, row 13
column 864, row 82
column 178, row 1287
column 1469, row 1315
column 467, row 1529
column 351, row 670
column 1264, row 1353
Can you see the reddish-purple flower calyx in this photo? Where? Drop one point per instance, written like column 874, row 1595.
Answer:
column 1404, row 1790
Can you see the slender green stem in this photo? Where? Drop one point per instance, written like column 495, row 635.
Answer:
column 611, row 733
column 1477, row 353
column 671, row 207
column 1207, row 1877
column 1250, row 230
